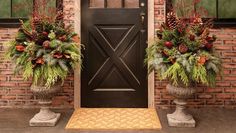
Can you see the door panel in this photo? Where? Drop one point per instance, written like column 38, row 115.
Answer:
column 113, row 73
column 131, row 3
column 114, row 3
column 97, row 4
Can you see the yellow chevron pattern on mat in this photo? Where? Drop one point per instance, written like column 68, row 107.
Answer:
column 114, row 119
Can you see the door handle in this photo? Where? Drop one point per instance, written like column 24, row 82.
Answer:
column 142, row 17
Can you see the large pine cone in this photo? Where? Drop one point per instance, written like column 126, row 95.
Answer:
column 37, row 24
column 172, row 20
column 36, row 20
column 59, row 16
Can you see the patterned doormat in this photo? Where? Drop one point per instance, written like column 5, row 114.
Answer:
column 114, row 119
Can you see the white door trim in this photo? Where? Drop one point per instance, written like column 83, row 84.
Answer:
column 77, row 75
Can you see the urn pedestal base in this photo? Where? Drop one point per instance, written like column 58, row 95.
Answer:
column 34, row 122
column 180, row 118
column 183, row 123
column 45, row 117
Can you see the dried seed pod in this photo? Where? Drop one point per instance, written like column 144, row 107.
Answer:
column 183, row 48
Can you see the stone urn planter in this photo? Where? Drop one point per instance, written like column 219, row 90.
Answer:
column 180, row 118
column 183, row 54
column 45, row 117
column 45, row 51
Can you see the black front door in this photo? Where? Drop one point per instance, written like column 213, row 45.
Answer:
column 114, row 33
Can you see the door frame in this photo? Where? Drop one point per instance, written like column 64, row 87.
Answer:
column 77, row 74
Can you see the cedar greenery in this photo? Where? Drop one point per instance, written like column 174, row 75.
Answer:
column 183, row 52
column 45, row 51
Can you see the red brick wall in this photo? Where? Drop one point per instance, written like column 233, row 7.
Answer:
column 14, row 92
column 224, row 94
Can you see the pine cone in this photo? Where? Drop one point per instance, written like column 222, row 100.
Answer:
column 34, row 35
column 183, row 48
column 36, row 20
column 37, row 24
column 172, row 20
column 59, row 17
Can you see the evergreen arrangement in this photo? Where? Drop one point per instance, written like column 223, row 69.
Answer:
column 183, row 52
column 45, row 50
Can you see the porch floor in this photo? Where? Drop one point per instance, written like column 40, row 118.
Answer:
column 209, row 120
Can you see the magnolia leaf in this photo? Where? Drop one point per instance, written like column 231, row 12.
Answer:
column 40, row 52
column 63, row 65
